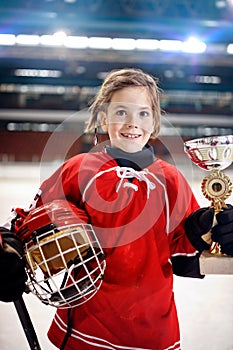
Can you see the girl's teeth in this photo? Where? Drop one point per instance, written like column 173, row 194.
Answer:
column 131, row 136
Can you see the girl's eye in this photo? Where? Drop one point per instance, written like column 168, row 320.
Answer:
column 121, row 113
column 144, row 114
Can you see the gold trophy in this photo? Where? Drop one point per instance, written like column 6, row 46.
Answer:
column 214, row 154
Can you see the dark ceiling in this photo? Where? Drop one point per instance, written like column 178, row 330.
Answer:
column 211, row 20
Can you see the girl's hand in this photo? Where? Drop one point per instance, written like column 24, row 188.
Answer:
column 12, row 266
column 222, row 232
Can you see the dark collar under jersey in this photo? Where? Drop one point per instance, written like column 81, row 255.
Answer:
column 137, row 160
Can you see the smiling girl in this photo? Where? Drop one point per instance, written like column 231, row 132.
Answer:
column 137, row 205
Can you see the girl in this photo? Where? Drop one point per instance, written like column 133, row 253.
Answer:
column 138, row 206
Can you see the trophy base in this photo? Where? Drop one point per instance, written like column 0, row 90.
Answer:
column 211, row 264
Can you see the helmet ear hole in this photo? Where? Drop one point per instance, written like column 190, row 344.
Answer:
column 65, row 262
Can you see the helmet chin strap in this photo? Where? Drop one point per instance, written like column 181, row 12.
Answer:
column 70, row 292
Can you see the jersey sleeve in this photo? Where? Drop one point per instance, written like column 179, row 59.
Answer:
column 62, row 184
column 182, row 202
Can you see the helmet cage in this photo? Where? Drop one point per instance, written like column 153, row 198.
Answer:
column 65, row 265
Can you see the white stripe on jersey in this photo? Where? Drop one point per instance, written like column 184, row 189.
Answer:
column 102, row 343
column 94, row 341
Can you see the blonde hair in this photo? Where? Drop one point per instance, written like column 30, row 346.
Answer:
column 119, row 79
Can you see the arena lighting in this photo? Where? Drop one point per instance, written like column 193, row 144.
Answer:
column 48, row 40
column 99, row 43
column 31, row 40
column 42, row 73
column 193, row 45
column 123, row 44
column 7, row 39
column 205, row 79
column 146, row 44
column 57, row 39
column 230, row 49
column 170, row 45
column 220, row 4
column 76, row 42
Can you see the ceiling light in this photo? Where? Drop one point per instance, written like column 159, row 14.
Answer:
column 60, row 36
column 31, row 40
column 99, row 43
column 76, row 42
column 230, row 49
column 220, row 4
column 57, row 39
column 42, row 73
column 170, row 45
column 147, row 44
column 205, row 79
column 123, row 44
column 7, row 39
column 193, row 45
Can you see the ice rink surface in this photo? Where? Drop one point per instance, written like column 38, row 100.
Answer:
column 205, row 307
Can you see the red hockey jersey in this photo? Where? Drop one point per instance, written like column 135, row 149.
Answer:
column 138, row 217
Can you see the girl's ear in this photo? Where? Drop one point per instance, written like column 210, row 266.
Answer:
column 102, row 117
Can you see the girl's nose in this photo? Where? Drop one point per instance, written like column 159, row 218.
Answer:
column 132, row 121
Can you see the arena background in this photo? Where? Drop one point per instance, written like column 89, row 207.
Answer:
column 54, row 55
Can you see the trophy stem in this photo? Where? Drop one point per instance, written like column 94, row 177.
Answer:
column 216, row 187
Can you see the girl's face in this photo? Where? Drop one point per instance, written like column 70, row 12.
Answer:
column 129, row 119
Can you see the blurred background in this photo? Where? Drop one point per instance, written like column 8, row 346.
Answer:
column 54, row 55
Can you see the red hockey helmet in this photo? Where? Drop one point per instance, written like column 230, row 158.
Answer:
column 65, row 262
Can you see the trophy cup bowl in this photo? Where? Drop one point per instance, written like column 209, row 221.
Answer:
column 209, row 153
column 213, row 154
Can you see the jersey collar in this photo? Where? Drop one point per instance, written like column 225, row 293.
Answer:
column 137, row 160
